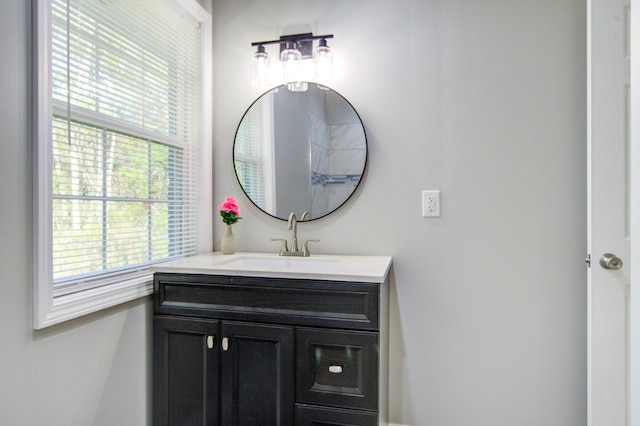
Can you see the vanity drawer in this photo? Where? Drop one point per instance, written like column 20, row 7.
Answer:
column 350, row 305
column 307, row 415
column 337, row 368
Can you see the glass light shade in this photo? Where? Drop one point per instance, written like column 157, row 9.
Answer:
column 260, row 68
column 298, row 86
column 323, row 63
column 291, row 65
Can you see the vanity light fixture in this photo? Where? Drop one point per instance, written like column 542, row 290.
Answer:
column 294, row 49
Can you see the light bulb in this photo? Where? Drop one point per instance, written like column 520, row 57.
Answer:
column 298, row 86
column 323, row 61
column 291, row 59
column 260, row 68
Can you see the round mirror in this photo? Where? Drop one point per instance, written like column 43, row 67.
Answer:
column 300, row 152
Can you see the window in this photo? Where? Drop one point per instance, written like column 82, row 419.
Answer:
column 122, row 160
column 252, row 159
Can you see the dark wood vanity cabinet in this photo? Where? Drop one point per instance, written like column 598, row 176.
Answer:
column 267, row 351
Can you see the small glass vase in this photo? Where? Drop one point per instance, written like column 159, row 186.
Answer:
column 228, row 244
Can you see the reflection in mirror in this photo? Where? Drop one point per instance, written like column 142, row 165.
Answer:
column 300, row 151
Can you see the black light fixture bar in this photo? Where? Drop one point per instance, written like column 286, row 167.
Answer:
column 303, row 42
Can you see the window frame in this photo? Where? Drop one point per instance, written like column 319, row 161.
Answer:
column 50, row 309
column 267, row 148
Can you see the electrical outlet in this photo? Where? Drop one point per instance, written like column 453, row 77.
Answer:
column 431, row 203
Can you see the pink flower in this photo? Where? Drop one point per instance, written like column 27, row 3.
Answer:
column 230, row 211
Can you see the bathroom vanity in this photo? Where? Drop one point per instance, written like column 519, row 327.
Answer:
column 260, row 339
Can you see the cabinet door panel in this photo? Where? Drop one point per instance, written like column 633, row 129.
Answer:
column 185, row 371
column 257, row 375
column 337, row 367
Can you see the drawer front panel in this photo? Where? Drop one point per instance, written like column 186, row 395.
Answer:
column 337, row 368
column 303, row 302
column 324, row 416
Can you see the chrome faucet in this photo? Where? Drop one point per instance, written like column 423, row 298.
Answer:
column 292, row 225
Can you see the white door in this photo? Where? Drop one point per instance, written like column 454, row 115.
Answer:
column 634, row 396
column 609, row 211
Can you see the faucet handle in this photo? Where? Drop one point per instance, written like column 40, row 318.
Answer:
column 305, row 247
column 283, row 246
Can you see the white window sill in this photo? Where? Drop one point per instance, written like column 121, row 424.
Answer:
column 63, row 308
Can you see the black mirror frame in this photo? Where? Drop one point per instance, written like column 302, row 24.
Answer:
column 364, row 167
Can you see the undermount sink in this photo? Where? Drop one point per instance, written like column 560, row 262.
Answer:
column 327, row 267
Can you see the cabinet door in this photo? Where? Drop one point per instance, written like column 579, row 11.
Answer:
column 185, row 371
column 257, row 386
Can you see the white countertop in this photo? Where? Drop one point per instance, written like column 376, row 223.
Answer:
column 325, row 267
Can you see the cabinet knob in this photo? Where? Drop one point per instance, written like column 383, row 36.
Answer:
column 335, row 369
column 225, row 343
column 210, row 342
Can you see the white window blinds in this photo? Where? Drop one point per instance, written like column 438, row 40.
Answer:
column 126, row 139
column 253, row 153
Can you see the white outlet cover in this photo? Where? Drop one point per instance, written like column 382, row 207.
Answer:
column 431, row 203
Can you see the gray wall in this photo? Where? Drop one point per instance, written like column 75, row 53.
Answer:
column 92, row 371
column 484, row 100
